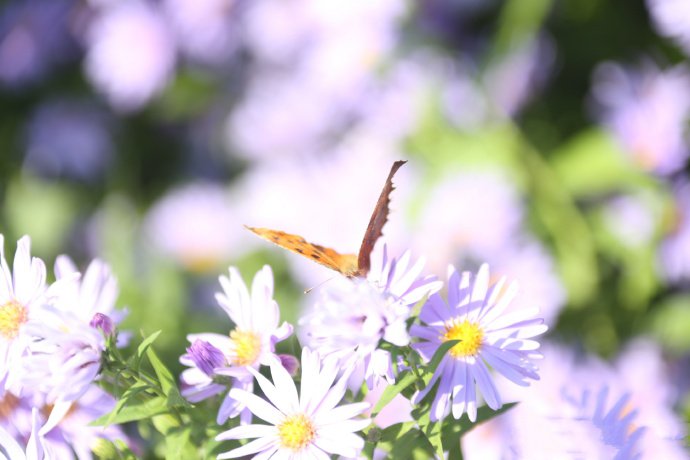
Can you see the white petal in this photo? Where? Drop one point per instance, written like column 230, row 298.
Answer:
column 345, row 444
column 247, row 432
column 340, row 413
column 253, row 447
column 258, row 406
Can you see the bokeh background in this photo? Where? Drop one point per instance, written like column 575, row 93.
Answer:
column 547, row 138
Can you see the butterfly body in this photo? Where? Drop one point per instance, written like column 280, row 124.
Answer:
column 350, row 265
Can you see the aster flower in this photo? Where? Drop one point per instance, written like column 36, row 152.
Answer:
column 473, row 314
column 213, row 358
column 308, row 425
column 35, row 450
column 67, row 358
column 350, row 319
column 613, row 427
column 22, row 293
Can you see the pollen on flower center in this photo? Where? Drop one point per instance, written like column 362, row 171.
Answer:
column 247, row 347
column 12, row 316
column 469, row 334
column 296, row 432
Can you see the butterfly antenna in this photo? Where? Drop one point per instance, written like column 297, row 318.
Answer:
column 307, row 291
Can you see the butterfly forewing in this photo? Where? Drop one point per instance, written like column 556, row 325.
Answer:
column 343, row 263
column 376, row 223
column 349, row 265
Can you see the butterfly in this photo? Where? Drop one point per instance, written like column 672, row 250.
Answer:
column 350, row 265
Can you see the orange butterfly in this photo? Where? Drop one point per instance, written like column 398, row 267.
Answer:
column 349, row 265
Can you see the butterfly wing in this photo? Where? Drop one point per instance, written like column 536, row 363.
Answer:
column 376, row 223
column 343, row 263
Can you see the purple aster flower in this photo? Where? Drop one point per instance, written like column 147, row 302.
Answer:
column 103, row 323
column 205, row 356
column 218, row 361
column 473, row 314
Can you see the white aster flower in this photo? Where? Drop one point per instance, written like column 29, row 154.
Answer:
column 350, row 319
column 66, row 357
column 214, row 357
column 308, row 425
column 22, row 292
column 489, row 338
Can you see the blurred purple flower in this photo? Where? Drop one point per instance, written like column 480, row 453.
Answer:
column 69, row 138
column 34, row 37
column 211, row 229
column 647, row 111
column 558, row 418
column 526, row 261
column 672, row 19
column 512, row 81
column 469, row 214
column 130, row 53
column 205, row 29
column 64, row 427
column 632, row 219
column 320, row 63
column 674, row 253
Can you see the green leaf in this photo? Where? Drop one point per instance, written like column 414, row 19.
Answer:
column 592, row 164
column 453, row 429
column 146, row 343
column 165, row 377
column 408, row 378
column 132, row 412
column 405, row 440
column 671, row 321
column 432, row 431
column 439, row 354
column 177, row 444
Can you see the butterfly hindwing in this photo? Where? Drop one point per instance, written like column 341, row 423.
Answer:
column 343, row 263
column 376, row 223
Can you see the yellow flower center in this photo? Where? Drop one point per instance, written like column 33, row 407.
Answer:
column 469, row 334
column 12, row 315
column 296, row 432
column 247, row 347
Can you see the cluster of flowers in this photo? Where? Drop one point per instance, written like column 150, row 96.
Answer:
column 347, row 338
column 359, row 333
column 51, row 340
